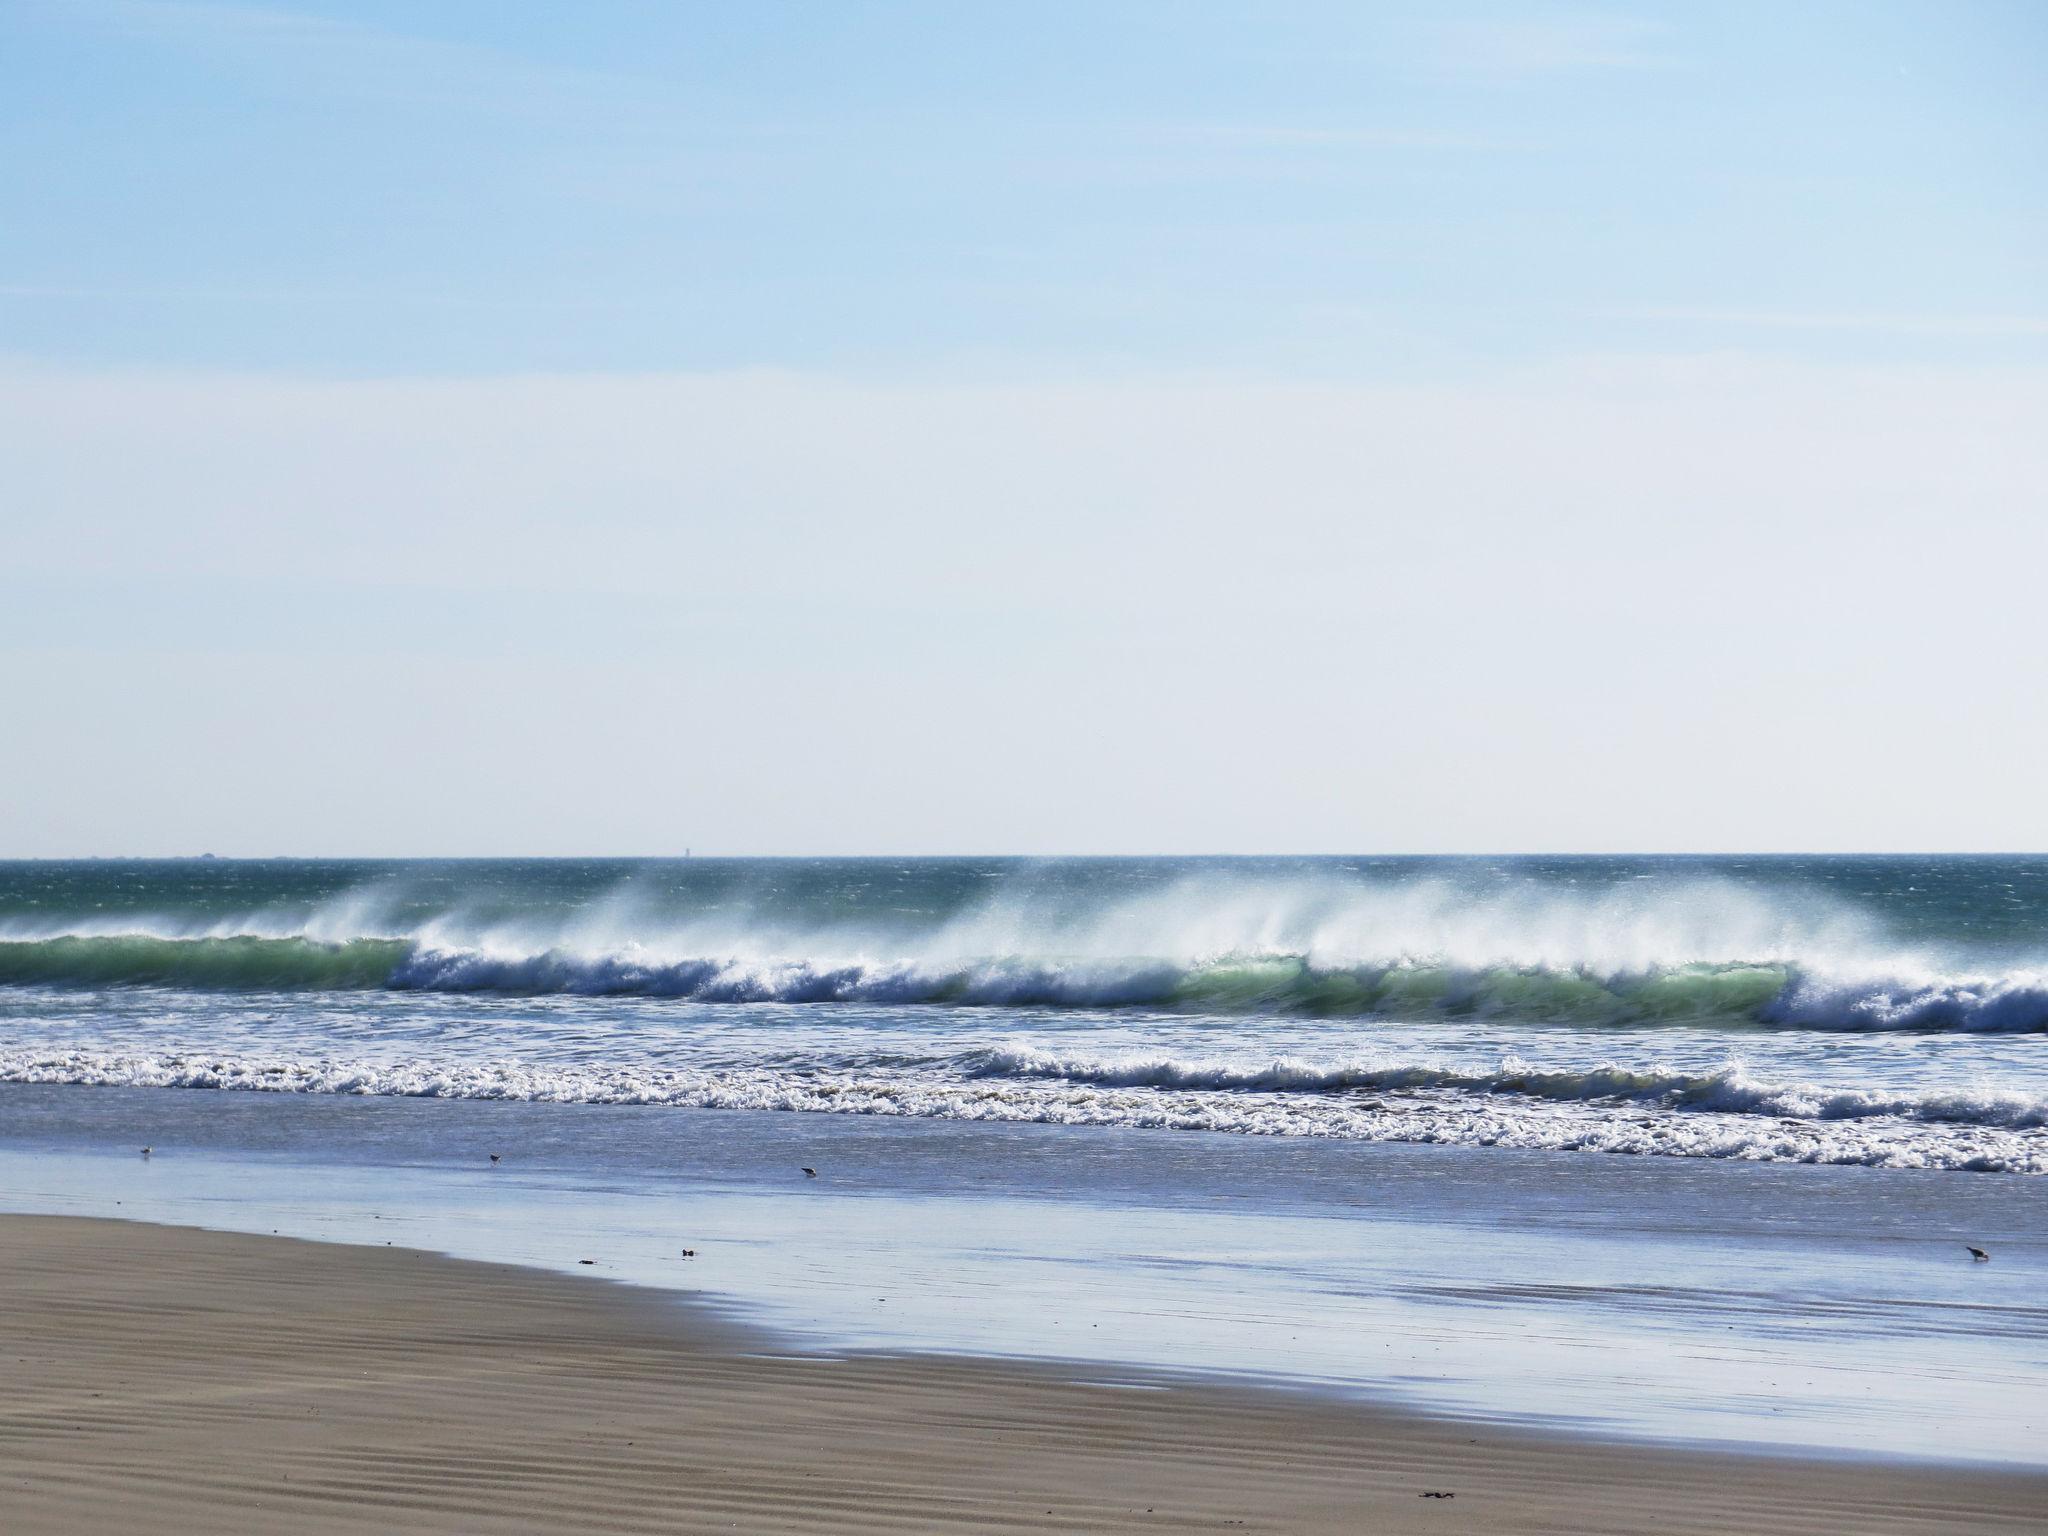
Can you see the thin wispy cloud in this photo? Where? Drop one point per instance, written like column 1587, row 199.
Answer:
column 1305, row 136
column 448, row 296
column 1554, row 45
column 1934, row 325
column 356, row 60
column 1193, row 151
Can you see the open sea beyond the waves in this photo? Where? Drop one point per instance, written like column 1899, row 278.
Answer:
column 1881, row 1011
column 1343, row 1120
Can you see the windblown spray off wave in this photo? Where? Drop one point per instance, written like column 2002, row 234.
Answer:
column 1771, row 990
column 1677, row 949
column 1888, row 1013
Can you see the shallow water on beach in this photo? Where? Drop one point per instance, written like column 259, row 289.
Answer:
column 1802, row 1308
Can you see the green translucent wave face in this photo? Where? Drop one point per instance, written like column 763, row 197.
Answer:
column 1290, row 985
column 1277, row 984
column 229, row 964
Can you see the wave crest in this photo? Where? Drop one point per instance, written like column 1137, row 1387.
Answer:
column 1760, row 993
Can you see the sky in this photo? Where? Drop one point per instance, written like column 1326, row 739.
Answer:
column 906, row 428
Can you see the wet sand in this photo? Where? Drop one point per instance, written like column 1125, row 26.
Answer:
column 185, row 1381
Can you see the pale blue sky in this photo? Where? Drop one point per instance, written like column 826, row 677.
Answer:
column 1340, row 188
column 606, row 428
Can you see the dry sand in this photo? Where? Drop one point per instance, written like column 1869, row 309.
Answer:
column 168, row 1380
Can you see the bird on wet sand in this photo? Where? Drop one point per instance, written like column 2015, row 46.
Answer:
column 810, row 1173
column 1979, row 1254
column 494, row 1157
column 145, row 1151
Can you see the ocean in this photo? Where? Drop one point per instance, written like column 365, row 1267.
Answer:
column 1880, row 1011
column 1680, row 1148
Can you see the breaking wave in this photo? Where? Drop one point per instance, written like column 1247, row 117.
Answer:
column 1770, row 991
column 1880, row 1014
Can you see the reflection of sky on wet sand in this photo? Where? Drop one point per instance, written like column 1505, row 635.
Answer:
column 1791, row 1306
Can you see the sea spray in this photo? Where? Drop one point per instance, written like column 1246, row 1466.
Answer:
column 1879, row 1012
column 1738, row 991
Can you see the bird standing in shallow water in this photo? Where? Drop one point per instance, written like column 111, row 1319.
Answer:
column 810, row 1173
column 1979, row 1254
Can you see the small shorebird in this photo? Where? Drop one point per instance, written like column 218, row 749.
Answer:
column 810, row 1173
column 1979, row 1254
column 494, row 1157
column 145, row 1151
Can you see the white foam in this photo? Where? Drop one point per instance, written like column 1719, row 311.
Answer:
column 1435, row 1114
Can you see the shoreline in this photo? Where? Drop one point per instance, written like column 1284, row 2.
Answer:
column 1647, row 1301
column 189, row 1380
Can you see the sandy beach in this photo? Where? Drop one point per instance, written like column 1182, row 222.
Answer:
column 181, row 1380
